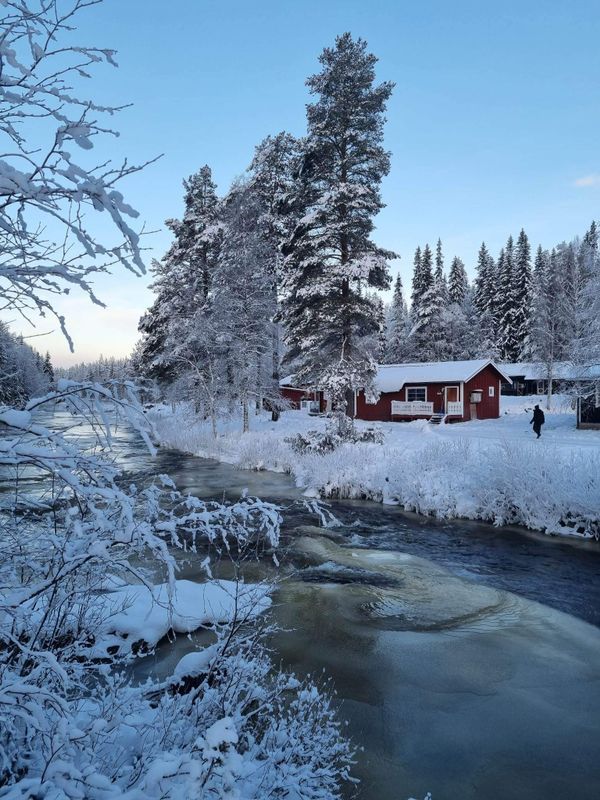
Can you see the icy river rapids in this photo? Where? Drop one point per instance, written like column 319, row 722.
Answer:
column 466, row 658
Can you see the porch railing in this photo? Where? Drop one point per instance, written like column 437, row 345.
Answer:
column 454, row 409
column 415, row 409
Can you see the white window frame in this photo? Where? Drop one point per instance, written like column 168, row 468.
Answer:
column 408, row 389
column 491, row 391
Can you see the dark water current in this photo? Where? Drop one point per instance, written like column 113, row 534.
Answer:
column 466, row 658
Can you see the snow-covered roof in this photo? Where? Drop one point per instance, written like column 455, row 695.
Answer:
column 392, row 377
column 288, row 381
column 561, row 371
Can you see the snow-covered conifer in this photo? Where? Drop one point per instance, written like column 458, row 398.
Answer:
column 485, row 281
column 422, row 275
column 439, row 275
column 521, row 317
column 458, row 283
column 331, row 261
column 272, row 180
column 505, row 303
column 397, row 347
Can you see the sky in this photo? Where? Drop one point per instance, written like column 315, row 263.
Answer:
column 493, row 124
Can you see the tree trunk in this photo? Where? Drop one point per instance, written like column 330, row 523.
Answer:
column 275, row 408
column 246, row 418
column 549, row 394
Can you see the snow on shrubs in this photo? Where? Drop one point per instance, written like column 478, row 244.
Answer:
column 338, row 431
column 87, row 581
column 499, row 479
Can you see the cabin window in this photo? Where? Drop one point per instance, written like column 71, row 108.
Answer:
column 416, row 394
column 491, row 391
column 540, row 387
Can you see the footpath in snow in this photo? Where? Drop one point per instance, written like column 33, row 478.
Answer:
column 494, row 470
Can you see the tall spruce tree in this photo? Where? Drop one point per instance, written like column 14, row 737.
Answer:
column 521, row 317
column 182, row 280
column 505, row 303
column 331, row 261
column 241, row 317
column 272, row 180
column 458, row 282
column 439, row 276
column 485, row 281
column 422, row 275
column 547, row 334
column 396, row 346
column 428, row 300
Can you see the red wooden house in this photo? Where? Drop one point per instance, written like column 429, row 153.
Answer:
column 442, row 391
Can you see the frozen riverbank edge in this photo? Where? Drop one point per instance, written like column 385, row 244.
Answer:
column 492, row 470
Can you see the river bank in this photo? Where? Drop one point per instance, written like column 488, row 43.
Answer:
column 491, row 470
column 462, row 655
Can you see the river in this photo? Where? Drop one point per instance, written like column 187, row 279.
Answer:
column 466, row 658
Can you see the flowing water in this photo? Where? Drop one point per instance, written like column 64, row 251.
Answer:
column 466, row 658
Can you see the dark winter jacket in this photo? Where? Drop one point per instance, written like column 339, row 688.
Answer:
column 538, row 418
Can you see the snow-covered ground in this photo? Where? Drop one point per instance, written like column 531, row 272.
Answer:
column 494, row 470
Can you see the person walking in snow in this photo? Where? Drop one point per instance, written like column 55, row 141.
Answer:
column 537, row 421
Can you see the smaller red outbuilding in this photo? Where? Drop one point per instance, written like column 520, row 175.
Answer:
column 445, row 391
column 299, row 397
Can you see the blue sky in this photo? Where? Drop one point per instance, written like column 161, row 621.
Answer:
column 493, row 125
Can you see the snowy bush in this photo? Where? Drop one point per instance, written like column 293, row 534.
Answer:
column 339, row 430
column 87, row 581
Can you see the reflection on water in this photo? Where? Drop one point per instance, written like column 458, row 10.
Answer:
column 455, row 664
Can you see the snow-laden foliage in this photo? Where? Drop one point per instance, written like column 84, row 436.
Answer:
column 47, row 186
column 82, row 560
column 331, row 323
column 487, row 470
column 211, row 335
column 23, row 371
column 339, row 430
column 87, row 564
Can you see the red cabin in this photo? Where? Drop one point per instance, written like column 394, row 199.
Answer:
column 441, row 391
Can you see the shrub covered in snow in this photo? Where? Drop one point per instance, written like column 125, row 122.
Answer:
column 339, row 430
column 80, row 558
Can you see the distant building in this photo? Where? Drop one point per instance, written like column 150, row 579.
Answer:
column 532, row 378
column 580, row 381
column 588, row 407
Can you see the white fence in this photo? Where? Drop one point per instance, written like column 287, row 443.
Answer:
column 417, row 408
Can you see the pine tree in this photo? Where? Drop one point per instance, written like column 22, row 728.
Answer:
column 272, row 179
column 182, row 280
column 521, row 316
column 240, row 323
column 427, row 336
column 397, row 347
column 485, row 282
column 438, row 276
column 422, row 275
column 331, row 261
column 458, row 282
column 505, row 303
column 48, row 369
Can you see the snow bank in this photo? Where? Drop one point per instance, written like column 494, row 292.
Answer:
column 493, row 470
column 138, row 617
